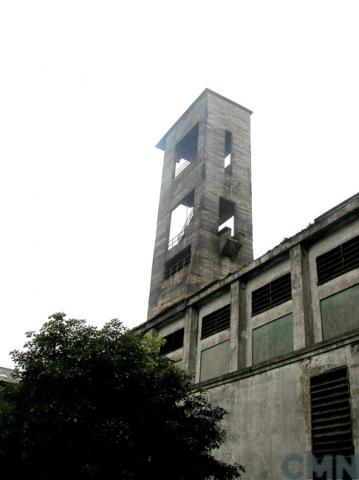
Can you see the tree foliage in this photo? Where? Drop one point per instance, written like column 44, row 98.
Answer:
column 103, row 403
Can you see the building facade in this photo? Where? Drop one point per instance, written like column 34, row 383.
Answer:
column 6, row 376
column 275, row 341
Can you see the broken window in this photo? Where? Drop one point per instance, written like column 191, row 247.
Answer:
column 177, row 263
column 186, row 150
column 180, row 219
column 174, row 341
column 226, row 215
column 228, row 152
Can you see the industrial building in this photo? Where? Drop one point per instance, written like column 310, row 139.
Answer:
column 275, row 340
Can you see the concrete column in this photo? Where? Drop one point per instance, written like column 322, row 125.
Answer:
column 238, row 328
column 301, row 298
column 153, row 332
column 190, row 341
column 234, row 328
column 243, row 344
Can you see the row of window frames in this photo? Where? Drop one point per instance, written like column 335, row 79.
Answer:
column 213, row 323
column 331, row 264
column 220, row 320
column 270, row 295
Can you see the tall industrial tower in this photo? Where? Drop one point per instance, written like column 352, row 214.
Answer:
column 204, row 224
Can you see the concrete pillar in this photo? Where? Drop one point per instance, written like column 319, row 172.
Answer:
column 234, row 327
column 243, row 344
column 301, row 298
column 190, row 341
column 238, row 328
column 153, row 332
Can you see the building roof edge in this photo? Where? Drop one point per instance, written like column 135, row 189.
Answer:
column 162, row 143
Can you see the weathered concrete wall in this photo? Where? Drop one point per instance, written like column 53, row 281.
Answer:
column 173, row 189
column 269, row 411
column 237, row 186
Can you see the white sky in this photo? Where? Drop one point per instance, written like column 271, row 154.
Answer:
column 87, row 88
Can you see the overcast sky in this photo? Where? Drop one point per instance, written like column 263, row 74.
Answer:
column 87, row 88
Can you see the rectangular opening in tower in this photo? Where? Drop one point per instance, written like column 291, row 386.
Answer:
column 226, row 215
column 228, row 152
column 181, row 217
column 186, row 150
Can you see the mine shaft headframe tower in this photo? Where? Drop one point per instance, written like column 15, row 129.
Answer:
column 207, row 174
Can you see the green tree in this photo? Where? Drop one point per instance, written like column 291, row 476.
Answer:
column 103, row 403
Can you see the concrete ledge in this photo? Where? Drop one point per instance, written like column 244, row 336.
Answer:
column 293, row 357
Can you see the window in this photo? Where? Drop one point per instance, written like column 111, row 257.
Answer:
column 226, row 215
column 331, row 416
column 339, row 260
column 274, row 293
column 215, row 361
column 180, row 219
column 174, row 341
column 177, row 263
column 340, row 312
column 273, row 339
column 228, row 152
column 186, row 150
column 216, row 322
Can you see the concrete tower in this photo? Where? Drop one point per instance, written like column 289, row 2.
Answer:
column 204, row 224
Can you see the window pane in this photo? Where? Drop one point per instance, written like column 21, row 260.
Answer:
column 340, row 312
column 215, row 361
column 273, row 339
